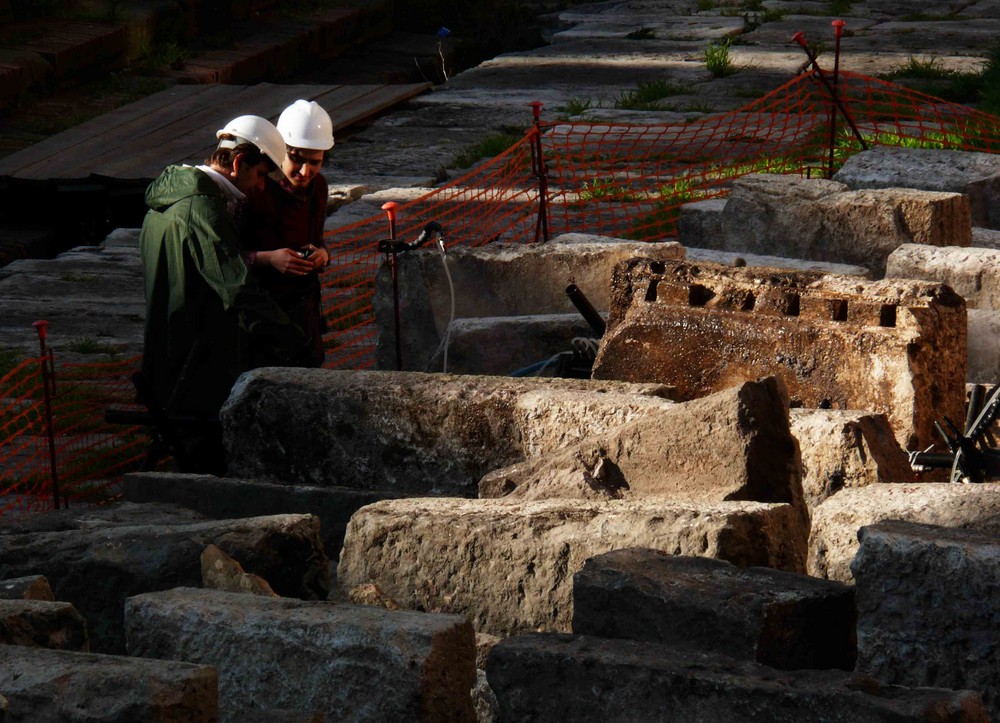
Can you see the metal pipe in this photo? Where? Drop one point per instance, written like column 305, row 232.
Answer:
column 586, row 309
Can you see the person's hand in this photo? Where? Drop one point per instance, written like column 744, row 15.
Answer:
column 319, row 256
column 286, row 261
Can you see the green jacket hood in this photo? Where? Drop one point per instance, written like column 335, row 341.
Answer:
column 177, row 183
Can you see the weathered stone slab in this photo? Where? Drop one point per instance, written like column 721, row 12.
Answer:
column 96, row 568
column 42, row 624
column 731, row 258
column 731, row 445
column 350, row 662
column 928, row 598
column 777, row 618
column 490, row 281
column 973, row 273
column 986, row 238
column 700, row 223
column 844, row 448
column 403, row 432
column 32, row 587
column 833, row 541
column 580, row 678
column 225, row 498
column 501, row 345
column 773, row 215
column 823, row 220
column 58, row 686
column 977, row 175
column 892, row 347
column 984, row 353
column 865, row 226
column 508, row 565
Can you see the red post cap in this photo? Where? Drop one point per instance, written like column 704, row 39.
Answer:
column 41, row 327
column 799, row 38
column 838, row 26
column 390, row 209
column 536, row 108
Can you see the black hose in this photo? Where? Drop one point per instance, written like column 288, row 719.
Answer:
column 586, row 310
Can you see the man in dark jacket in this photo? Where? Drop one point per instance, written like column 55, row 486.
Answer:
column 207, row 320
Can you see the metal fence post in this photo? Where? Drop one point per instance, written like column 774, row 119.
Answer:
column 541, row 173
column 48, row 391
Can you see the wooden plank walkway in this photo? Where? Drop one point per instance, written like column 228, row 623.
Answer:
column 177, row 125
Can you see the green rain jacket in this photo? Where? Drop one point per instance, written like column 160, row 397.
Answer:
column 207, row 319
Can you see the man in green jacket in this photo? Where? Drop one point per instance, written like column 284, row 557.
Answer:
column 207, row 319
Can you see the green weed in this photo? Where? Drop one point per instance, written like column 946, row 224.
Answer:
column 642, row 34
column 574, row 107
column 488, row 147
column 718, row 60
column 647, row 96
column 86, row 345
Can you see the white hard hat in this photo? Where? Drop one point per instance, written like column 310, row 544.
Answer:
column 258, row 131
column 304, row 124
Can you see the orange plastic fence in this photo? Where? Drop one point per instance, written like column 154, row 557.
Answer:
column 598, row 178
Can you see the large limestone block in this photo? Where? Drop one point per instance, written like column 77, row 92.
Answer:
column 731, row 258
column 977, row 175
column 825, row 221
column 846, row 448
column 974, row 273
column 500, row 345
column 984, row 352
column 782, row 619
column 348, row 662
column 225, row 498
column 773, row 215
column 833, row 540
column 865, row 226
column 894, row 347
column 508, row 565
column 96, row 567
column 580, row 678
column 58, row 686
column 43, row 624
column 732, row 445
column 489, row 281
column 927, row 607
column 399, row 432
column 32, row 587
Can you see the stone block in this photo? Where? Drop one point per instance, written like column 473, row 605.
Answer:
column 891, row 347
column 986, row 238
column 977, row 175
column 777, row 618
column 984, row 353
column 502, row 345
column 865, row 226
column 700, row 223
column 32, row 587
column 349, row 662
column 825, row 221
column 843, row 448
column 731, row 445
column 974, row 273
column 401, row 432
column 59, row 686
column 226, row 498
column 42, row 624
column 508, row 564
column 928, row 598
column 774, row 215
column 732, row 258
column 833, row 540
column 580, row 678
column 96, row 566
column 489, row 281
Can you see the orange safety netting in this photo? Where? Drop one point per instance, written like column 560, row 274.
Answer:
column 610, row 179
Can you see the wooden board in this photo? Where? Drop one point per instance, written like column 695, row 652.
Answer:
column 178, row 125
